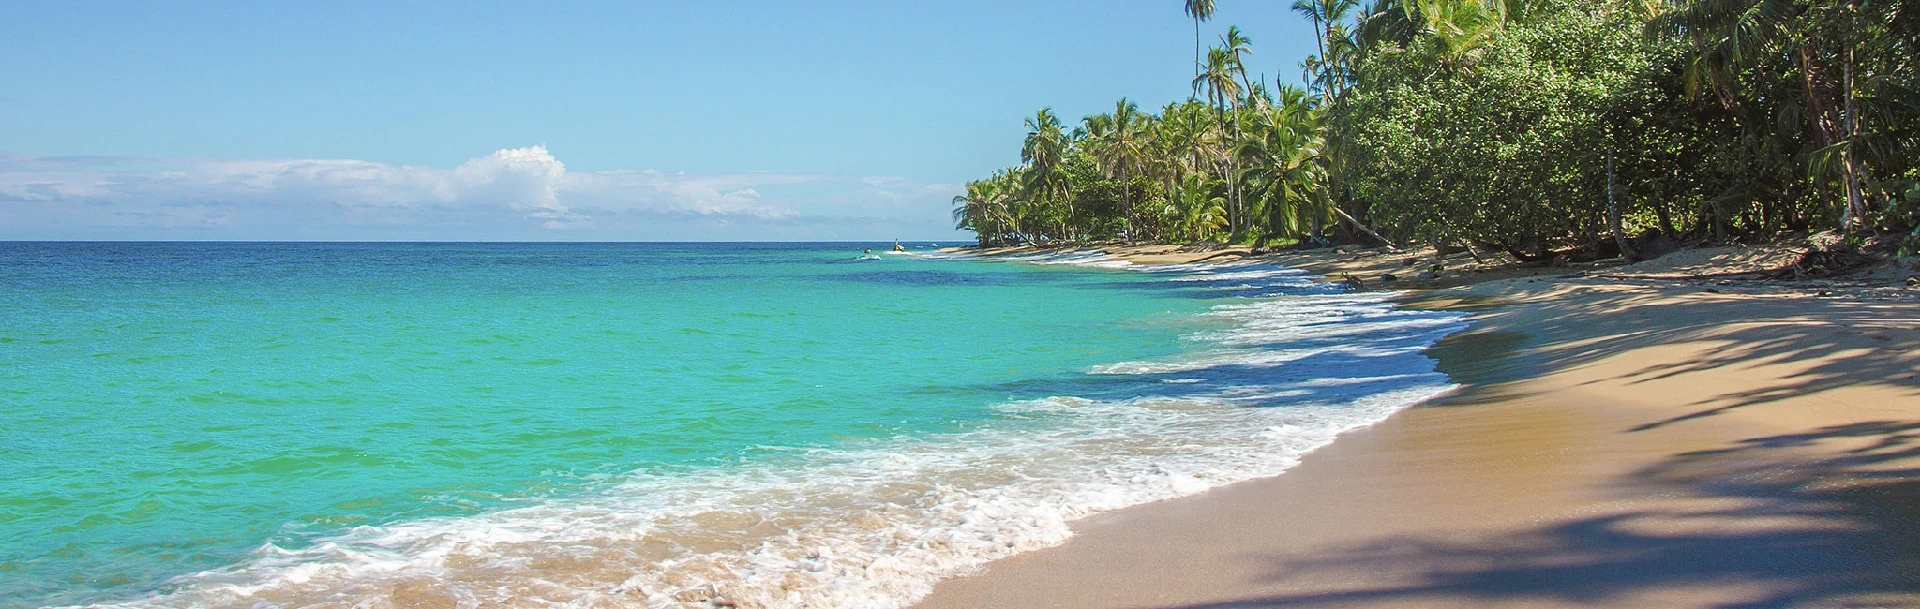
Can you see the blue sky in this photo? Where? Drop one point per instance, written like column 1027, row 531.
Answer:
column 545, row 121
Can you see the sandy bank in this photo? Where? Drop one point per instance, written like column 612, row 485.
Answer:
column 1629, row 440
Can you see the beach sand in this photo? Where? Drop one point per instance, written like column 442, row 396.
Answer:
column 1640, row 439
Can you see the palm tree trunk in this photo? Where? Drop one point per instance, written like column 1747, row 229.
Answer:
column 1613, row 214
column 1363, row 228
column 1233, row 179
column 1821, row 122
column 1856, row 205
column 1320, row 43
column 1196, row 51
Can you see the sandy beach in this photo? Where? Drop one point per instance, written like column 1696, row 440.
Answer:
column 1647, row 435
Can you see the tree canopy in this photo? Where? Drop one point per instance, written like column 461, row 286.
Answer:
column 1528, row 126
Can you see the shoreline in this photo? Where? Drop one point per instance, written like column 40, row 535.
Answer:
column 1621, row 441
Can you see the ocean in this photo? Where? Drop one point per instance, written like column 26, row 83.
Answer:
column 634, row 425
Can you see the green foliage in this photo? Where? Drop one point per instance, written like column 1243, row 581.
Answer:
column 1536, row 126
column 1904, row 213
column 1505, row 146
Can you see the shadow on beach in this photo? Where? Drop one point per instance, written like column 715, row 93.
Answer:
column 1851, row 342
column 1838, row 531
column 1824, row 517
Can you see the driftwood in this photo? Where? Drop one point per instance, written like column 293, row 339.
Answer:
column 1363, row 228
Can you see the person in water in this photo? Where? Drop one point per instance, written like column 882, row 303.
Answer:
column 869, row 250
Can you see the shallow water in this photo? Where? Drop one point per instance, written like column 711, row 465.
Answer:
column 777, row 425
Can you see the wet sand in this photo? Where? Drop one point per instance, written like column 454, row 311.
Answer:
column 1617, row 442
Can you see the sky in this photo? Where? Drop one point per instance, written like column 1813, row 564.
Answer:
column 519, row 121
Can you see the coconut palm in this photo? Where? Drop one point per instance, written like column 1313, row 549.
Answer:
column 1222, row 80
column 1343, row 52
column 1286, row 175
column 1460, row 27
column 1169, row 148
column 1198, row 211
column 1386, row 22
column 987, row 209
column 1115, row 141
column 1325, row 15
column 1199, row 10
column 1044, row 152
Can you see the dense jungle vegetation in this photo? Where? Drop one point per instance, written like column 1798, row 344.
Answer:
column 1525, row 126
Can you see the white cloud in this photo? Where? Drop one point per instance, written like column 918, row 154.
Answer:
column 513, row 193
column 525, row 179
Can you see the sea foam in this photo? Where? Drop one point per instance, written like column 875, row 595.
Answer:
column 874, row 524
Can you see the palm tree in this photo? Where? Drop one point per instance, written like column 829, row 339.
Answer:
column 1223, row 91
column 1311, row 9
column 1238, row 47
column 1168, row 145
column 1343, row 55
column 1326, row 16
column 1386, row 22
column 1197, row 211
column 970, row 213
column 1199, row 10
column 1461, row 27
column 1284, row 160
column 1115, row 141
column 985, row 209
column 1044, row 152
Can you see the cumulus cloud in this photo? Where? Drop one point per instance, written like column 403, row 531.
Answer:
column 511, row 193
column 526, row 179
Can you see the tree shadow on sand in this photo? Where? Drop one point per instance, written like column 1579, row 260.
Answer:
column 1827, row 518
column 1836, row 531
column 1852, row 341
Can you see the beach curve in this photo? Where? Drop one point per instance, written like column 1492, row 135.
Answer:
column 1617, row 443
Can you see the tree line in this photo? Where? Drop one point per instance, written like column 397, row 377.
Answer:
column 1525, row 126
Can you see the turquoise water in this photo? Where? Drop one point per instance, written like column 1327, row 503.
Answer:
column 302, row 424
